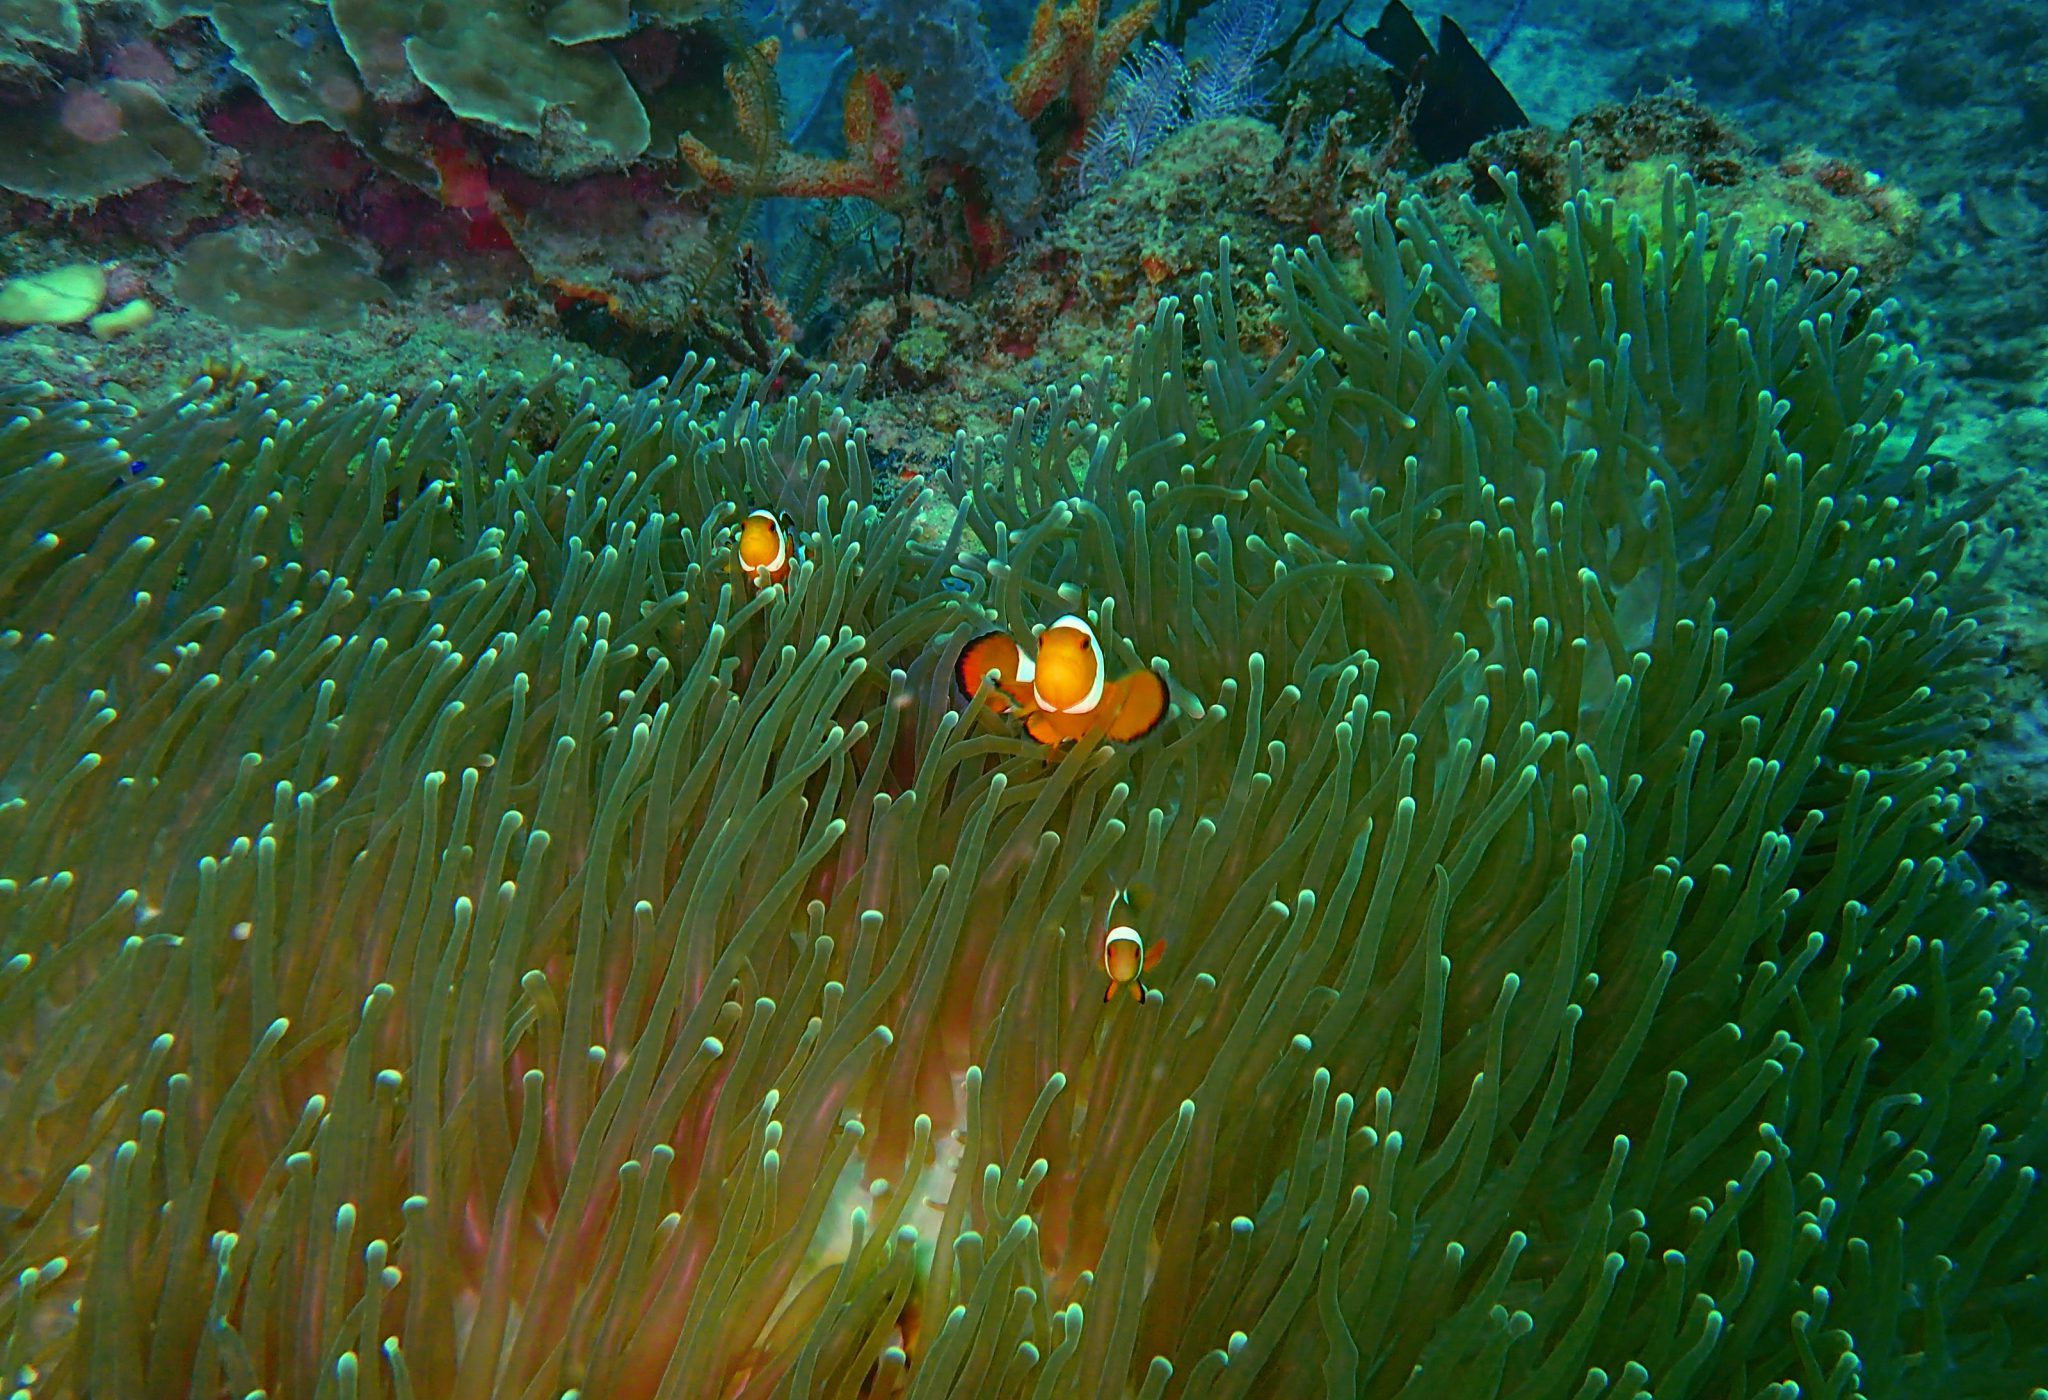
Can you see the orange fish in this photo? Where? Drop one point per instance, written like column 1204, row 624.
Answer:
column 765, row 549
column 1063, row 691
column 1124, row 955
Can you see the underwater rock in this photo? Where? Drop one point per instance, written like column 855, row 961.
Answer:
column 1852, row 216
column 257, row 278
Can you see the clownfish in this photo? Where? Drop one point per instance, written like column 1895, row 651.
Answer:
column 1063, row 691
column 1125, row 957
column 765, row 548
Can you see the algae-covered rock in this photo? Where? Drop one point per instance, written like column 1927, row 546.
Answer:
column 90, row 140
column 265, row 278
column 58, row 296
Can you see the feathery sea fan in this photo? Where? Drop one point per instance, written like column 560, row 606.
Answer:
column 1234, row 39
column 1146, row 103
column 457, row 939
column 1155, row 93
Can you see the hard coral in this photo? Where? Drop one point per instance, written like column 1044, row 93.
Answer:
column 92, row 140
column 263, row 276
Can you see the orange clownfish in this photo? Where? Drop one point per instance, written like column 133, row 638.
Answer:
column 1126, row 958
column 1064, row 692
column 765, row 548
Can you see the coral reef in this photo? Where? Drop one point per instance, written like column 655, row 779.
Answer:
column 478, row 144
column 457, row 938
column 1103, row 265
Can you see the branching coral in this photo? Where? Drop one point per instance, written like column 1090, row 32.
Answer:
column 457, row 942
column 941, row 50
column 875, row 137
column 972, row 120
column 1072, row 54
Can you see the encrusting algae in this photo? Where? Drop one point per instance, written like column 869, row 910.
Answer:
column 461, row 939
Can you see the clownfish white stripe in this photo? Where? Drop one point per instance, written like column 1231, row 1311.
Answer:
column 1125, row 960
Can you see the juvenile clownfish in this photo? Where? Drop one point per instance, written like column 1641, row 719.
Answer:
column 1063, row 691
column 1126, row 958
column 765, row 549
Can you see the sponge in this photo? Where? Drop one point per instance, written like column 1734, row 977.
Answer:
column 130, row 316
column 59, row 296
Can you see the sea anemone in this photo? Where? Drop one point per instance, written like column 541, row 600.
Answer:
column 459, row 939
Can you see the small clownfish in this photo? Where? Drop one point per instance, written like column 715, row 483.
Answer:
column 1126, row 958
column 1063, row 691
column 765, row 549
